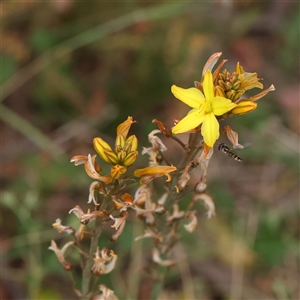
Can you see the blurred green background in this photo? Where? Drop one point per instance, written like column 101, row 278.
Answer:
column 73, row 70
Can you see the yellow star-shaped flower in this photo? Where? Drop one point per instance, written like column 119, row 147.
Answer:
column 205, row 108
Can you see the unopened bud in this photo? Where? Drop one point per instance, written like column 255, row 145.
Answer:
column 117, row 170
column 100, row 146
column 238, row 94
column 230, row 94
column 130, row 158
column 236, row 85
column 228, row 85
column 244, row 107
column 113, row 158
column 131, row 143
column 121, row 155
column 222, row 84
column 219, row 91
column 120, row 141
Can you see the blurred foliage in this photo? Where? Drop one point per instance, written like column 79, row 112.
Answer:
column 72, row 71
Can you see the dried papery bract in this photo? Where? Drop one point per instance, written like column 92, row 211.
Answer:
column 157, row 259
column 182, row 182
column 85, row 218
column 60, row 254
column 176, row 215
column 150, row 234
column 104, row 261
column 192, row 225
column 106, row 294
column 119, row 231
column 208, row 203
column 61, row 228
column 162, row 128
column 211, row 62
column 118, row 221
column 232, row 136
column 95, row 186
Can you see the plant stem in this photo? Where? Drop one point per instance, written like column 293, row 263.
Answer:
column 158, row 285
column 86, row 274
column 194, row 139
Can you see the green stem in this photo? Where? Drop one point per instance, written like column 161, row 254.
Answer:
column 86, row 274
column 183, row 145
column 158, row 285
column 194, row 140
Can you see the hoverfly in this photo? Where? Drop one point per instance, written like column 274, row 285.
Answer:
column 226, row 150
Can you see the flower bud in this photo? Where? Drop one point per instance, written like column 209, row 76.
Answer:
column 130, row 158
column 120, row 141
column 222, row 84
column 228, row 85
column 131, row 143
column 113, row 158
column 121, row 155
column 219, row 91
column 236, row 85
column 149, row 173
column 117, row 170
column 230, row 94
column 100, row 146
column 238, row 94
column 244, row 107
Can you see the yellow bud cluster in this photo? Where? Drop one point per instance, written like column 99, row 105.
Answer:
column 229, row 85
column 125, row 152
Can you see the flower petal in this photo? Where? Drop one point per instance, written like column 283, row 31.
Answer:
column 124, row 127
column 208, row 86
column 210, row 129
column 193, row 119
column 191, row 97
column 221, row 105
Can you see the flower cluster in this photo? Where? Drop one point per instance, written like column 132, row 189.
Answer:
column 216, row 96
column 219, row 95
column 124, row 153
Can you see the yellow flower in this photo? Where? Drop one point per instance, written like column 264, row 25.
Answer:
column 205, row 108
column 149, row 173
column 248, row 80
